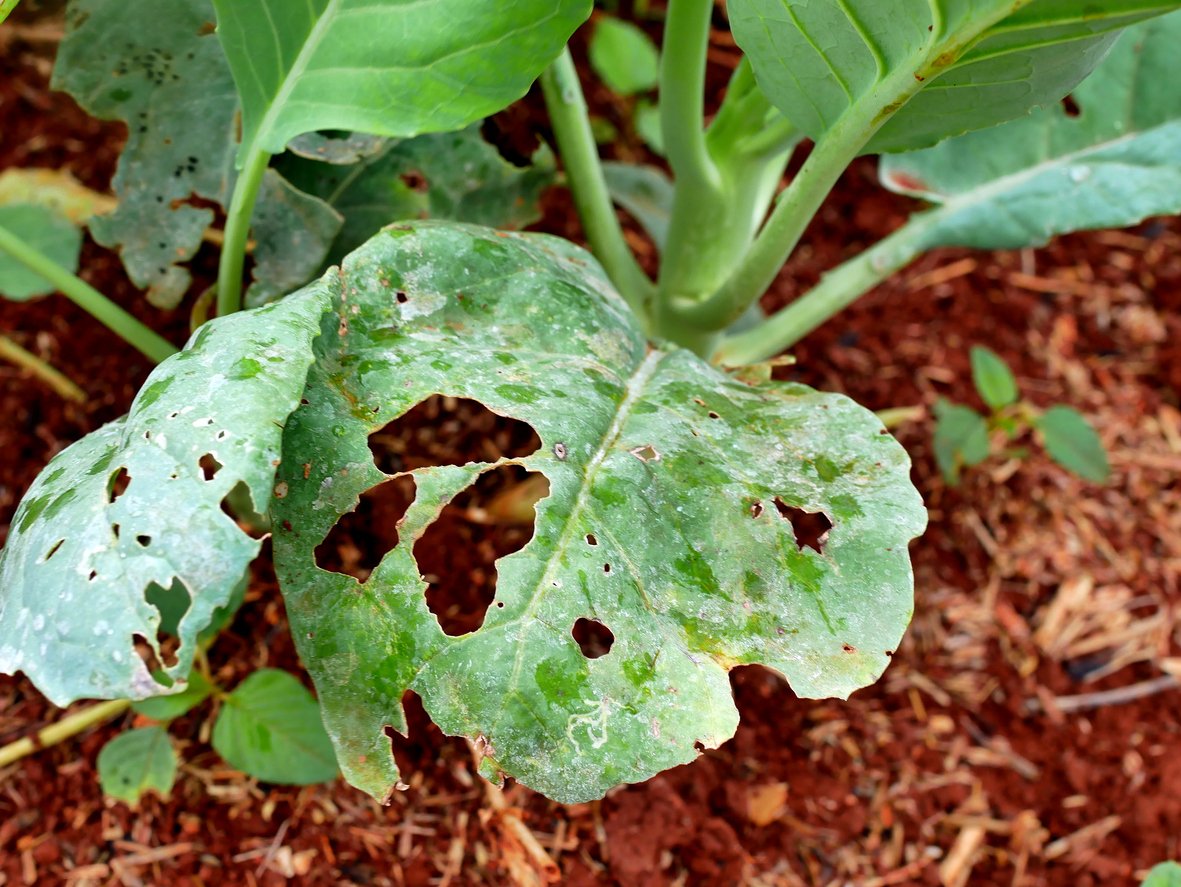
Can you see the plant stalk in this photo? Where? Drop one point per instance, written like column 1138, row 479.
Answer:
column 58, row 381
column 59, row 731
column 237, row 232
column 7, row 6
column 837, row 290
column 580, row 155
column 88, row 298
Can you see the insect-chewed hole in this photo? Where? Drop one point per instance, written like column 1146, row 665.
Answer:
column 810, row 528
column 591, row 540
column 1070, row 106
column 209, row 466
column 594, row 638
column 53, row 549
column 458, row 552
column 420, row 746
column 171, row 603
column 117, row 484
column 361, row 538
column 238, row 506
column 450, row 431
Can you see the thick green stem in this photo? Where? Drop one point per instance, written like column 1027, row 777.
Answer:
column 233, row 251
column 783, row 230
column 7, row 6
column 87, row 298
column 26, row 360
column 723, row 182
column 59, row 731
column 576, row 144
column 584, row 173
column 837, row 290
column 682, row 93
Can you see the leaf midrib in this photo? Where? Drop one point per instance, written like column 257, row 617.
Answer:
column 295, row 73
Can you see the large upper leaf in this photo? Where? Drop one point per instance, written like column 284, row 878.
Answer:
column 1115, row 163
column 166, row 77
column 917, row 71
column 663, row 521
column 384, row 66
column 456, row 176
column 85, row 561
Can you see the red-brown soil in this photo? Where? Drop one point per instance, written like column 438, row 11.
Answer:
column 959, row 767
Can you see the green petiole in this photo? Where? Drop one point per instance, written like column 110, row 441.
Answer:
column 88, row 298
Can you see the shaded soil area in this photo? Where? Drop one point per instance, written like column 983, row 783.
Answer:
column 984, row 756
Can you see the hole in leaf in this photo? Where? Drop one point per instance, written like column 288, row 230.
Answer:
column 117, row 485
column 424, row 745
column 810, row 528
column 361, row 538
column 606, row 568
column 401, row 297
column 443, row 430
column 594, row 638
column 458, row 552
column 145, row 652
column 53, row 549
column 756, row 510
column 238, row 506
column 714, row 415
column 415, row 181
column 172, row 604
column 848, row 648
column 1070, row 106
column 209, row 466
column 591, row 540
column 143, row 540
column 646, row 453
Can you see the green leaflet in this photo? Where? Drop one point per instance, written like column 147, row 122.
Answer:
column 270, row 728
column 82, row 558
column 1165, row 874
column 123, row 60
column 659, row 466
column 48, row 232
column 1117, row 162
column 384, row 66
column 917, row 71
column 1072, row 443
column 993, row 379
column 624, row 57
column 961, row 438
column 456, row 176
column 136, row 762
column 165, row 708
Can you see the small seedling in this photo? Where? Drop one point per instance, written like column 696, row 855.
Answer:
column 965, row 438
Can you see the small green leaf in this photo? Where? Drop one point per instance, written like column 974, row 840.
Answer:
column 454, row 175
column 270, row 728
column 293, row 234
column 624, row 57
column 1165, row 874
column 46, row 231
column 674, row 496
column 648, row 125
column 1072, row 443
column 961, row 438
column 165, row 708
column 385, row 67
column 1113, row 164
column 137, row 762
column 90, row 567
column 993, row 378
column 644, row 191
